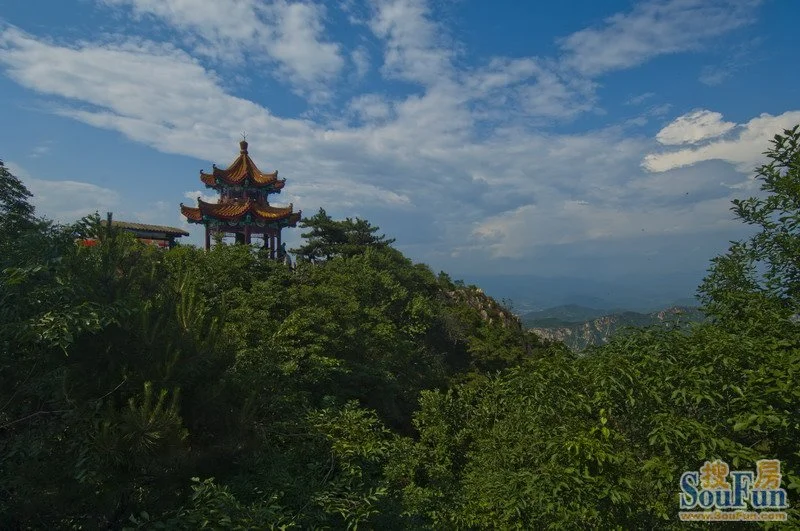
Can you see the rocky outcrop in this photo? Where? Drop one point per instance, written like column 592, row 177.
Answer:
column 579, row 336
column 489, row 309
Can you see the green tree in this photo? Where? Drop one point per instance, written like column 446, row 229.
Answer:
column 763, row 270
column 18, row 238
column 329, row 238
column 361, row 391
column 574, row 442
column 16, row 213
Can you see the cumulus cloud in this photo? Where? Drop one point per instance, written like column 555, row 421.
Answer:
column 207, row 196
column 694, row 127
column 744, row 150
column 154, row 94
column 66, row 201
column 290, row 33
column 361, row 61
column 414, row 48
column 370, row 107
column 417, row 50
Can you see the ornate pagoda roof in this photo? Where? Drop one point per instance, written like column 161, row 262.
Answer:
column 259, row 210
column 243, row 171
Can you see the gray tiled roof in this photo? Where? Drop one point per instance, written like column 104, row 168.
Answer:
column 172, row 231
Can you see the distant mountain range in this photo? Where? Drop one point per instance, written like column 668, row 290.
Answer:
column 566, row 314
column 643, row 293
column 579, row 327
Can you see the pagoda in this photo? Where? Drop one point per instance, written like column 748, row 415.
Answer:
column 243, row 208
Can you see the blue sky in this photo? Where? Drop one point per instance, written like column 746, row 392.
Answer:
column 580, row 139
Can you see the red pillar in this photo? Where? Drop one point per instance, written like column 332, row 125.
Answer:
column 208, row 238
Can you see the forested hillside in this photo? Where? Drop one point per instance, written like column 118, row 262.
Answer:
column 598, row 330
column 187, row 389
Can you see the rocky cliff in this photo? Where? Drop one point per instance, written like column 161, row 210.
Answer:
column 579, row 336
column 489, row 309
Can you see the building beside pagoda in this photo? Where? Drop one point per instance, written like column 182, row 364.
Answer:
column 242, row 209
column 156, row 235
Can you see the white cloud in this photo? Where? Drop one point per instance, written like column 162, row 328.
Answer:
column 361, row 62
column 639, row 99
column 290, row 33
column 345, row 195
column 694, row 127
column 502, row 72
column 552, row 96
column 414, row 47
column 206, row 196
column 154, row 94
column 417, row 50
column 370, row 107
column 297, row 44
column 514, row 234
column 156, row 213
column 650, row 29
column 744, row 151
column 531, row 86
column 181, row 109
column 66, row 201
column 459, row 160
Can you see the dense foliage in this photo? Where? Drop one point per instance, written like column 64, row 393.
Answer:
column 190, row 389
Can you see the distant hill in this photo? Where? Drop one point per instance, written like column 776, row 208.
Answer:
column 526, row 293
column 553, row 324
column 568, row 313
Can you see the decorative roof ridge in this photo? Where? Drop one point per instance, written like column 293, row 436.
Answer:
column 260, row 201
column 251, row 165
column 243, row 171
column 132, row 225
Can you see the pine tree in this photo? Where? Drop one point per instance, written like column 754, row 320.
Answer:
column 329, row 238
